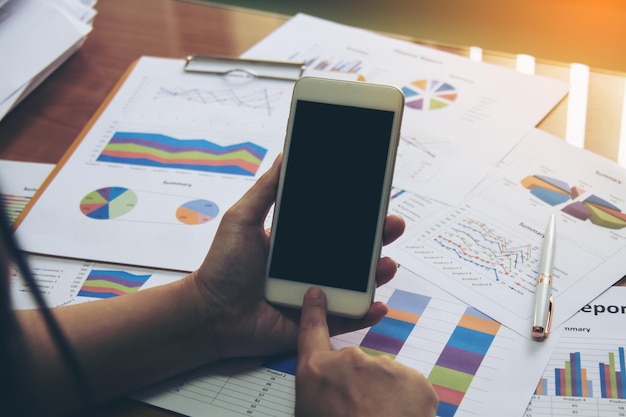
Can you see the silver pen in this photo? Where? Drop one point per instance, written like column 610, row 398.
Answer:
column 544, row 302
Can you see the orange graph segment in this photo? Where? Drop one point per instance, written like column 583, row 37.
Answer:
column 421, row 84
column 189, row 216
column 403, row 316
column 532, row 182
column 479, row 324
column 449, row 96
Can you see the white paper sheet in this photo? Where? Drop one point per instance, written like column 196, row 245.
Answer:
column 461, row 117
column 34, row 35
column 486, row 251
column 149, row 182
column 497, row 376
column 586, row 373
column 19, row 181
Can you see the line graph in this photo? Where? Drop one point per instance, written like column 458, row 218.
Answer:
column 477, row 244
column 256, row 99
column 482, row 256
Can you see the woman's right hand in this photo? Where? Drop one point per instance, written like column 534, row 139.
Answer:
column 349, row 382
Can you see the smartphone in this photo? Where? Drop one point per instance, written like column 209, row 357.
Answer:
column 335, row 180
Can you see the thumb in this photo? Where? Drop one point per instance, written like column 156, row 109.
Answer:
column 313, row 335
column 254, row 205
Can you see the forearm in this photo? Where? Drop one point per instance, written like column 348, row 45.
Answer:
column 122, row 343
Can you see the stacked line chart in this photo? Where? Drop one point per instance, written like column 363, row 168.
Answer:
column 477, row 245
column 427, row 94
column 162, row 151
column 108, row 203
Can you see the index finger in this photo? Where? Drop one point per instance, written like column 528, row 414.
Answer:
column 313, row 334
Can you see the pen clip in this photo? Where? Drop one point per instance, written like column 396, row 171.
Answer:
column 252, row 68
column 550, row 313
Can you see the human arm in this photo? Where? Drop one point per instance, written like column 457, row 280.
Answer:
column 218, row 311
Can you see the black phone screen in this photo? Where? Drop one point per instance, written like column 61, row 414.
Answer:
column 327, row 219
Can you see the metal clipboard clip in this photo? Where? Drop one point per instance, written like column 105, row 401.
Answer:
column 244, row 68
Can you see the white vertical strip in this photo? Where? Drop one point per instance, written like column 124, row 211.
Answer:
column 476, row 53
column 525, row 64
column 577, row 105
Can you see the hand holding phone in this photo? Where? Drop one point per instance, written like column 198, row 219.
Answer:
column 333, row 193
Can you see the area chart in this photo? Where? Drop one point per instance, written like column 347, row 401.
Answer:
column 103, row 283
column 162, row 151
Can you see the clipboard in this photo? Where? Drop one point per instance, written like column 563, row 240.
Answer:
column 242, row 91
column 208, row 64
column 244, row 68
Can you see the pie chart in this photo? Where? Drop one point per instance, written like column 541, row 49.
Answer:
column 197, row 212
column 429, row 94
column 108, row 203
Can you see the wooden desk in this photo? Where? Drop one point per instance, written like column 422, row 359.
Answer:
column 42, row 127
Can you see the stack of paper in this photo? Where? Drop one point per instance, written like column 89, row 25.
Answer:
column 36, row 37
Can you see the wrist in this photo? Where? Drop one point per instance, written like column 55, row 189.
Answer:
column 205, row 314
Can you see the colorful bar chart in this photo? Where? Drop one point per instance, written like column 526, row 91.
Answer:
column 156, row 150
column 335, row 65
column 103, row 283
column 572, row 380
column 389, row 335
column 13, row 205
column 460, row 359
column 612, row 381
column 542, row 387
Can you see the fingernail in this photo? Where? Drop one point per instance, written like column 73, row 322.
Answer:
column 314, row 293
